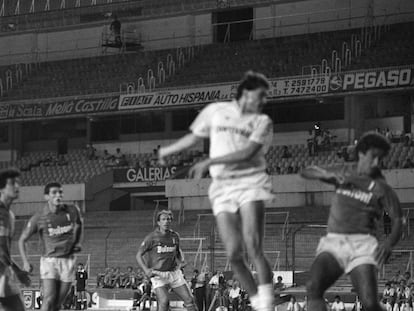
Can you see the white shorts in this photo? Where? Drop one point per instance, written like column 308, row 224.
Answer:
column 227, row 195
column 61, row 269
column 350, row 250
column 173, row 279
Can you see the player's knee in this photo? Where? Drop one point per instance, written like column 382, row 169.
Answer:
column 371, row 304
column 189, row 303
column 163, row 304
column 253, row 245
column 48, row 304
column 313, row 288
column 235, row 257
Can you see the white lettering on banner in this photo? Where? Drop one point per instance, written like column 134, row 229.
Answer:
column 299, row 86
column 97, row 105
column 377, row 79
column 208, row 94
column 177, row 97
column 150, row 173
column 82, row 106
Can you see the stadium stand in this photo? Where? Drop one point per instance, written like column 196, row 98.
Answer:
column 394, row 48
column 214, row 63
column 43, row 14
column 103, row 74
column 39, row 167
column 287, row 56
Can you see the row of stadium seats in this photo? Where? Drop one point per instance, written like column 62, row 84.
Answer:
column 39, row 167
column 395, row 48
column 279, row 57
column 218, row 62
column 82, row 76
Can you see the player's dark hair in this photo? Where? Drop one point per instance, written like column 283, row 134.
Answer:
column 251, row 81
column 372, row 140
column 6, row 174
column 164, row 212
column 51, row 185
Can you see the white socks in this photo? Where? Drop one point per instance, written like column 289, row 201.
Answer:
column 265, row 291
column 263, row 300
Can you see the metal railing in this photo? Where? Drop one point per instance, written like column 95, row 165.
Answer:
column 198, row 258
column 197, row 227
column 181, row 212
column 285, row 227
column 278, row 25
column 275, row 266
column 384, row 271
column 407, row 220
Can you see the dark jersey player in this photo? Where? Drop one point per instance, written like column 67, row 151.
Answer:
column 350, row 245
column 160, row 257
column 10, row 299
column 59, row 227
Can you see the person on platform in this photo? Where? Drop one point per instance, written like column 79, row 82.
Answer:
column 81, row 281
column 162, row 246
column 351, row 246
column 60, row 228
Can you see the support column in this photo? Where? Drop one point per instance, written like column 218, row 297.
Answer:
column 15, row 140
column 88, row 131
column 354, row 116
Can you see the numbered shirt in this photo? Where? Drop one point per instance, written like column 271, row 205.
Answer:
column 56, row 230
column 230, row 131
column 161, row 250
column 359, row 203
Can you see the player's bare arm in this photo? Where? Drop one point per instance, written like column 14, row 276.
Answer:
column 180, row 259
column 78, row 232
column 28, row 231
column 315, row 172
column 182, row 144
column 392, row 205
column 200, row 168
column 148, row 272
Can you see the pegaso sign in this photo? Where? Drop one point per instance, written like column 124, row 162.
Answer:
column 376, row 79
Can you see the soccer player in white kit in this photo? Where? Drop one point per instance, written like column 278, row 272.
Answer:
column 239, row 135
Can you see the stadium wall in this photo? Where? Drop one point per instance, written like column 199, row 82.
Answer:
column 281, row 19
column 290, row 190
column 32, row 199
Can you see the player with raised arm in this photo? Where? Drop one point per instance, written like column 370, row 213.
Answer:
column 350, row 245
column 239, row 135
column 60, row 228
column 163, row 262
column 10, row 299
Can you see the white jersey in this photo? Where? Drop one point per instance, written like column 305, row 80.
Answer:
column 229, row 131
